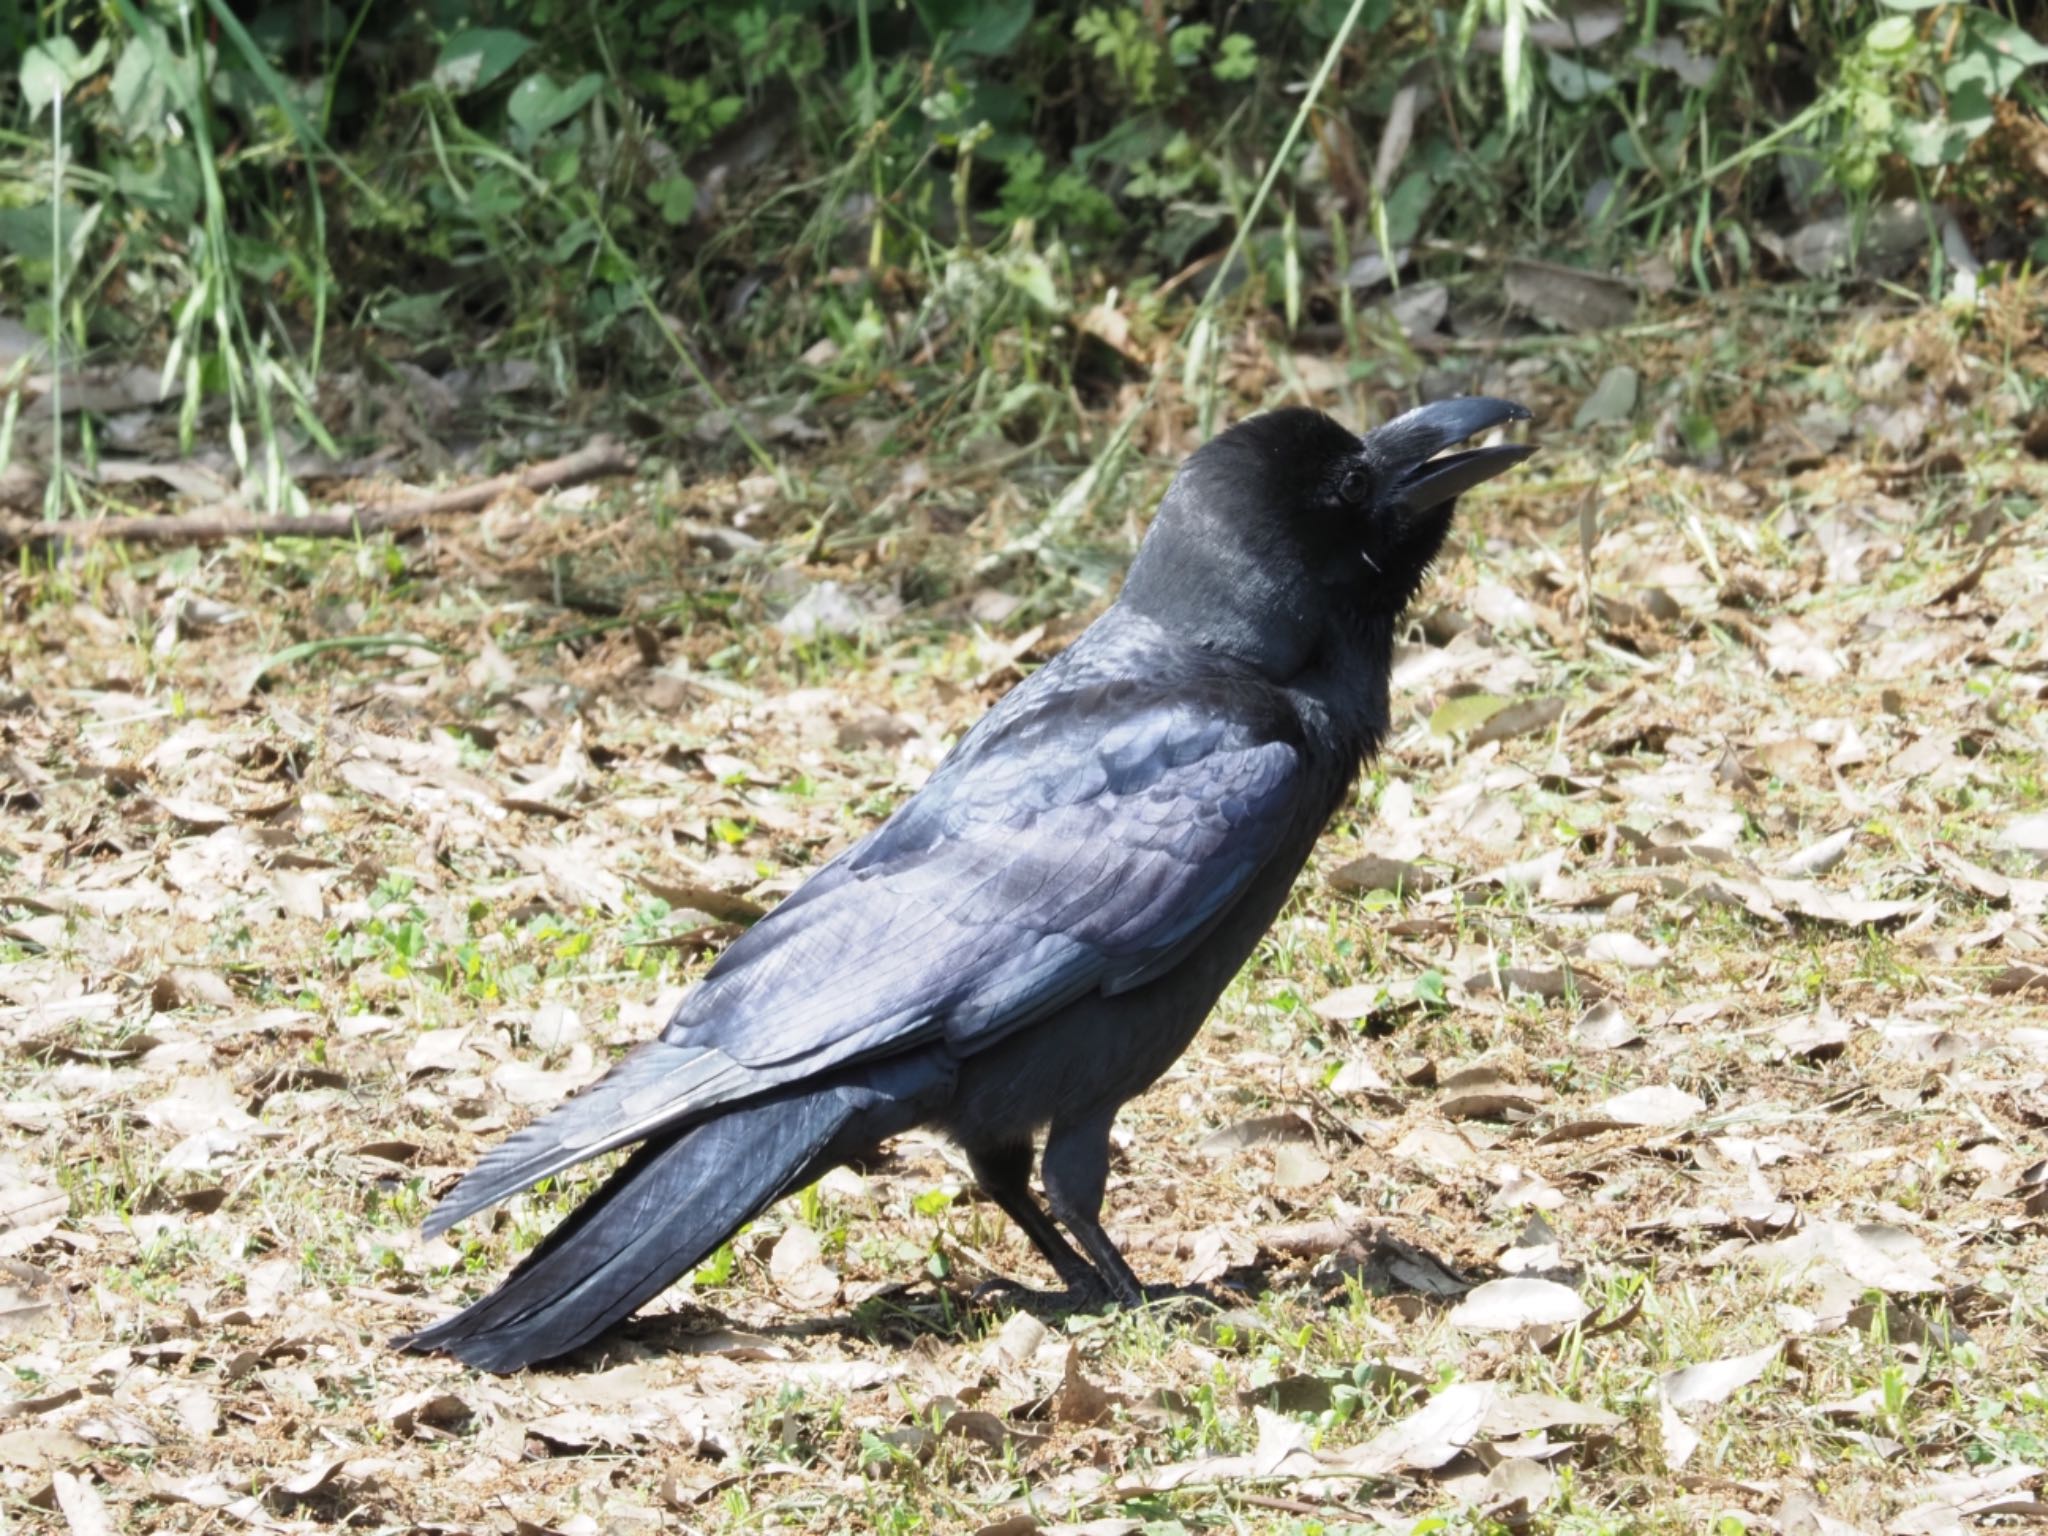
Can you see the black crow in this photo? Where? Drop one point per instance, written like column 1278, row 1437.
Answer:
column 1035, row 936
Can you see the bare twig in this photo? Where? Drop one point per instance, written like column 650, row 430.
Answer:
column 1968, row 582
column 603, row 456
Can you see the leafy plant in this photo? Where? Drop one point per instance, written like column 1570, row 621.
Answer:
column 642, row 194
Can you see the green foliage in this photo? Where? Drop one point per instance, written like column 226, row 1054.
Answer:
column 1901, row 64
column 570, row 181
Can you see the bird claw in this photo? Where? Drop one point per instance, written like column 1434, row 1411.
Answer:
column 1092, row 1295
column 1024, row 1298
column 1171, row 1296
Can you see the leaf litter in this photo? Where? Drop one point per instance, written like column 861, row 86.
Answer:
column 1650, row 1079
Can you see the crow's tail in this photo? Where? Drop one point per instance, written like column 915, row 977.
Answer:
column 669, row 1207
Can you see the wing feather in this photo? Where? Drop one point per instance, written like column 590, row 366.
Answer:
column 1084, row 837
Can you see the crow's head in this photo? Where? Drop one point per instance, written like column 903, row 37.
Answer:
column 1288, row 523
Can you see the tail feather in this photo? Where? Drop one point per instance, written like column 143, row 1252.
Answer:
column 667, row 1209
column 654, row 1086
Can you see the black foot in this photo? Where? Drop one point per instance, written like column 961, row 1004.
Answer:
column 1015, row 1296
column 1094, row 1296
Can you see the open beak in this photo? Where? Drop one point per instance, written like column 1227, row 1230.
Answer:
column 1407, row 449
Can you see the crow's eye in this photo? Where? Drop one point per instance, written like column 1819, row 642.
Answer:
column 1355, row 487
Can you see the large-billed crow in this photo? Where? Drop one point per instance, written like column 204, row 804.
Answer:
column 1038, row 932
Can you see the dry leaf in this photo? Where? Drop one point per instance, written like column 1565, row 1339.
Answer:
column 1817, row 1036
column 1676, row 1440
column 1716, row 1380
column 1604, row 1027
column 1884, row 1257
column 1808, row 900
column 1297, row 1167
column 1514, row 1414
column 1800, row 1514
column 1427, row 1438
column 1659, row 1106
column 84, row 1510
column 1937, row 1506
column 198, row 1411
column 1260, row 1130
column 1079, row 1400
column 1503, row 1306
column 1374, row 873
column 39, row 1448
column 1283, row 1446
column 1625, row 950
column 30, row 1205
column 1482, row 1093
column 797, row 1265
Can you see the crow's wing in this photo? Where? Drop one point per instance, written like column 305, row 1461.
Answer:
column 1083, row 838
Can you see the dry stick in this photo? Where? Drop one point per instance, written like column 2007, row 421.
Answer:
column 604, row 456
column 1294, row 1506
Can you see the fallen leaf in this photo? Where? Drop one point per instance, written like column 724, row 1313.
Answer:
column 1817, row 1036
column 1937, row 1506
column 198, row 1411
column 2028, row 833
column 1019, row 1337
column 1298, row 1167
column 1435, row 1149
column 2018, row 977
column 1513, row 1414
column 1676, row 1440
column 1551, row 985
column 1715, row 1381
column 431, row 1408
column 1373, row 873
column 1800, row 1514
column 30, row 1205
column 1604, row 1027
column 1613, row 399
column 200, row 1104
column 184, row 986
column 1503, row 1306
column 555, row 1027
column 1079, row 1400
column 84, row 1510
column 39, row 1448
column 1216, row 1251
column 1466, row 713
column 1659, row 1106
column 1820, row 905
column 1818, row 858
column 1283, row 1446
column 1427, row 1438
column 2028, row 898
column 1482, row 1093
column 1259, row 1131
column 440, row 1050
column 298, row 894
column 1884, row 1257
column 1358, row 1077
column 797, row 1265
column 1625, row 950
column 293, row 1491
column 1518, row 719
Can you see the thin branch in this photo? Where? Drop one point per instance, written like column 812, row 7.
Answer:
column 604, row 456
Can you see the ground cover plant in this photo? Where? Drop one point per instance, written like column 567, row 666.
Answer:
column 1635, row 1122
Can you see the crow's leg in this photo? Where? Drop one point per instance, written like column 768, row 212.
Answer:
column 1004, row 1174
column 1075, row 1169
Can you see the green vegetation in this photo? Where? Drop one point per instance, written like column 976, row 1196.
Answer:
column 915, row 208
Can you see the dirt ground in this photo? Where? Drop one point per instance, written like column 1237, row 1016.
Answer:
column 1638, row 1121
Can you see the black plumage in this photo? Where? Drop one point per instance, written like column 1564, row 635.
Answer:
column 1035, row 936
